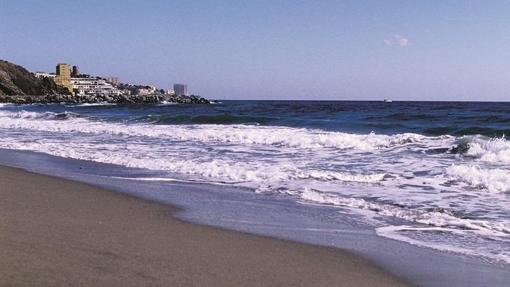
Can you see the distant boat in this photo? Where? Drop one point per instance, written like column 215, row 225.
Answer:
column 388, row 101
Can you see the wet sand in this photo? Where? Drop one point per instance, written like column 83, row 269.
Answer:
column 55, row 232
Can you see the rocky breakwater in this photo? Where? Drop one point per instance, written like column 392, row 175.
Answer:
column 113, row 99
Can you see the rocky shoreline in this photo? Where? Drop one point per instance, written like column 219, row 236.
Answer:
column 93, row 99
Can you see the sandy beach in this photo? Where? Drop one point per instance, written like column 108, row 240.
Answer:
column 55, row 232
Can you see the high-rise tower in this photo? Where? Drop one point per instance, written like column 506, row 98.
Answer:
column 181, row 89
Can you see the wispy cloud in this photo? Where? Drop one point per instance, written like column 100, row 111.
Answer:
column 397, row 40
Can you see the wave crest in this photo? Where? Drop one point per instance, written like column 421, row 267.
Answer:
column 44, row 116
column 491, row 150
column 492, row 180
column 232, row 134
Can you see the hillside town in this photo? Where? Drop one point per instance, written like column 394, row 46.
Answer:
column 67, row 85
column 86, row 85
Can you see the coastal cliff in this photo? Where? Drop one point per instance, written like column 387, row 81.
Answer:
column 18, row 81
column 20, row 86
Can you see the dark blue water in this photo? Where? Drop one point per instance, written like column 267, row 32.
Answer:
column 428, row 118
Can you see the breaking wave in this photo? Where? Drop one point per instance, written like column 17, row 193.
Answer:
column 492, row 180
column 490, row 150
column 44, row 116
column 234, row 134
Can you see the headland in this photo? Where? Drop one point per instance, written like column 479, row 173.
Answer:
column 68, row 85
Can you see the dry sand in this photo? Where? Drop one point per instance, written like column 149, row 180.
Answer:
column 55, row 232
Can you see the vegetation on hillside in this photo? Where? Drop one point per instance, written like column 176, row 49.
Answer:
column 18, row 81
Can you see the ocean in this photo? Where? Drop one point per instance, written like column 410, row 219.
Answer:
column 429, row 174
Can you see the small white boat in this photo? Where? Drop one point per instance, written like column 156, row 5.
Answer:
column 387, row 101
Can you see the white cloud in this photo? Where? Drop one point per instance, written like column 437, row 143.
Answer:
column 397, row 40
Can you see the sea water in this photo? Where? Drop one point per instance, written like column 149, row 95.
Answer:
column 432, row 174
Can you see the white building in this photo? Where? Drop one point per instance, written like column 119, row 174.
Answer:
column 44, row 75
column 93, row 86
column 147, row 90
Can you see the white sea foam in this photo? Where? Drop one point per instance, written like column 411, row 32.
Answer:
column 342, row 176
column 429, row 221
column 434, row 218
column 240, row 134
column 495, row 150
column 94, row 104
column 166, row 103
column 215, row 169
column 492, row 180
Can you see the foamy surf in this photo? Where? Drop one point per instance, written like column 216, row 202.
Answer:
column 492, row 180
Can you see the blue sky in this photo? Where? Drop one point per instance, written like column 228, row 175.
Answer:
column 337, row 50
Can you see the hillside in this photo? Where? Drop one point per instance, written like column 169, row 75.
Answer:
column 16, row 80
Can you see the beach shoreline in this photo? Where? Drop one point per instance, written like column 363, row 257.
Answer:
column 57, row 232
